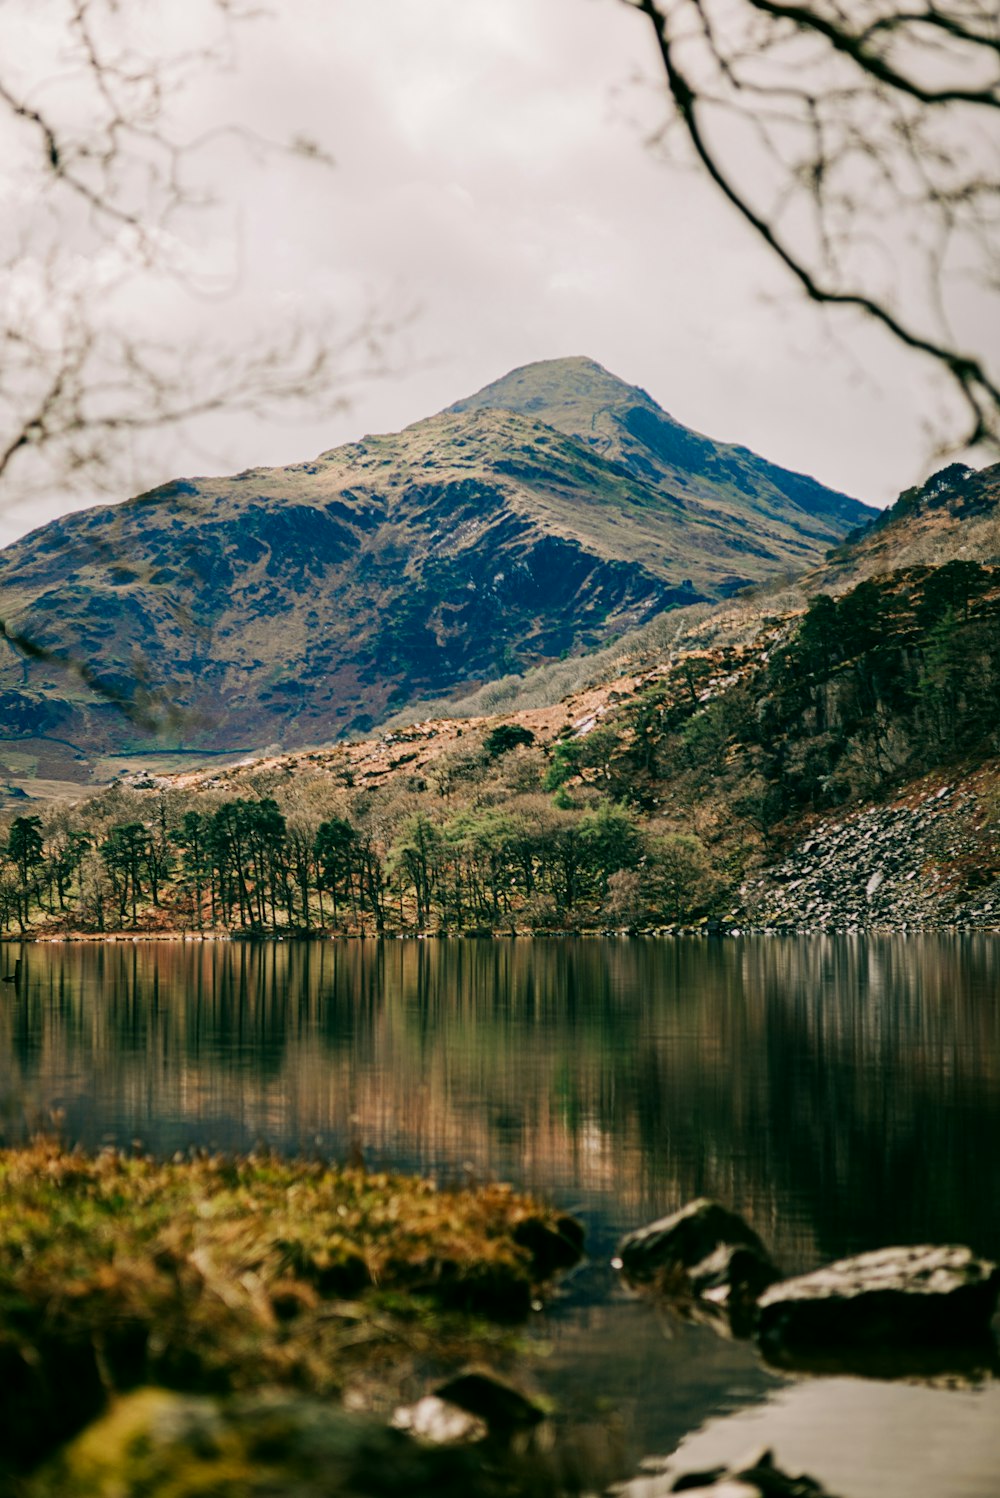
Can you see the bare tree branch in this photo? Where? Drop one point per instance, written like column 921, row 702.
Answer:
column 109, row 188
column 861, row 143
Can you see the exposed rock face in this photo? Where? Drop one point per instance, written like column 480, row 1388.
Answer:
column 900, row 1297
column 538, row 518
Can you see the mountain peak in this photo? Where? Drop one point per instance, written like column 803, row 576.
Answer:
column 553, row 389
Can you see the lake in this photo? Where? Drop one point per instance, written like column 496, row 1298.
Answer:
column 842, row 1093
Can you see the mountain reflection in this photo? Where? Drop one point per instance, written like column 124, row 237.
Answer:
column 841, row 1092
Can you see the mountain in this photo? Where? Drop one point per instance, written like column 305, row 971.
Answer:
column 553, row 510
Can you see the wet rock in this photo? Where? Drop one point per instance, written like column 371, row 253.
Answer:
column 705, row 1262
column 892, row 1297
column 756, row 1476
column 701, row 1237
column 731, row 1279
column 733, row 1269
column 504, row 1409
column 552, row 1245
column 966, row 1365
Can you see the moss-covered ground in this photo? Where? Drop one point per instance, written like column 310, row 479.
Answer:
column 220, row 1276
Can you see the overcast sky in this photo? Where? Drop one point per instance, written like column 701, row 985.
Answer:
column 493, row 184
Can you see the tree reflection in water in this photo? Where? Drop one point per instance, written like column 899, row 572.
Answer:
column 840, row 1092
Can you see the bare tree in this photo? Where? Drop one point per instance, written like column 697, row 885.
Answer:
column 859, row 141
column 108, row 206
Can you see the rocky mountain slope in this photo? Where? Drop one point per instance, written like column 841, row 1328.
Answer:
column 554, row 510
column 926, row 858
column 955, row 515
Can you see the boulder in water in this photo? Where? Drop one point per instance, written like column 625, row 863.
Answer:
column 683, row 1239
column 703, row 1251
column 892, row 1297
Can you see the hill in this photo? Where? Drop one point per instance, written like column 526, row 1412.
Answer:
column 549, row 513
column 955, row 515
column 626, row 427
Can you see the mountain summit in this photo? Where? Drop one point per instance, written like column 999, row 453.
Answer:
column 551, row 510
column 564, row 393
column 624, row 424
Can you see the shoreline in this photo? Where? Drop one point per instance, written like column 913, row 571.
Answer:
column 297, row 938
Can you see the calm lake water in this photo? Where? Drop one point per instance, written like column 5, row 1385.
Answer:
column 842, row 1093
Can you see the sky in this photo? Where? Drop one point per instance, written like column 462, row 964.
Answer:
column 495, row 199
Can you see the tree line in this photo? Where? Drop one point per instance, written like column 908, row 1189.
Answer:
column 382, row 865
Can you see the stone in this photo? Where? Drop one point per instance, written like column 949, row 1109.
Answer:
column 685, row 1239
column 731, row 1278
column 756, row 1475
column 504, row 1409
column 440, row 1422
column 909, row 1296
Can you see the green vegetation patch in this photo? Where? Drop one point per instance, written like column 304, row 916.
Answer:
column 213, row 1275
column 273, row 1445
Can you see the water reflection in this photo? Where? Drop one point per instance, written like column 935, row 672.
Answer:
column 837, row 1090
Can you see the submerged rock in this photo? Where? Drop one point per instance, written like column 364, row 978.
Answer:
column 891, row 1297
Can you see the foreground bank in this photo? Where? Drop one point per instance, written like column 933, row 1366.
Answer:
column 229, row 1279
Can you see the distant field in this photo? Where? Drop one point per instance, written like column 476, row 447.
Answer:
column 49, row 790
column 105, row 767
column 50, row 770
